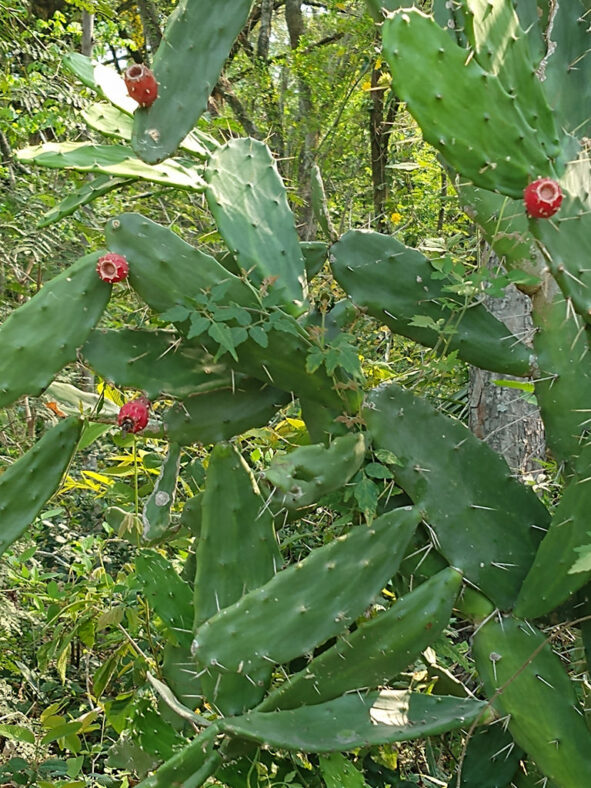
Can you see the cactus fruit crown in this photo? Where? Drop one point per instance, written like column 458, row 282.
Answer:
column 112, row 267
column 542, row 198
column 133, row 416
column 141, row 84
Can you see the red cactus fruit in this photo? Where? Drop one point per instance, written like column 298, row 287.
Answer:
column 134, row 415
column 112, row 267
column 141, row 84
column 542, row 198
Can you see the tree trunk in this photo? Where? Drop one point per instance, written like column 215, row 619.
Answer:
column 500, row 415
column 265, row 29
column 380, row 130
column 87, row 33
column 304, row 213
column 150, row 24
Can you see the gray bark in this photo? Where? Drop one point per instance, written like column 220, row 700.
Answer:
column 502, row 416
column 87, row 33
column 305, row 214
column 265, row 29
column 150, row 24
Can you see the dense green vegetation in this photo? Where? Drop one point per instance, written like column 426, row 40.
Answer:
column 95, row 687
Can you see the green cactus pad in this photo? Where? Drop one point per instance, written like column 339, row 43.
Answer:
column 308, row 602
column 169, row 596
column 315, row 254
column 505, row 227
column 376, row 7
column 463, row 110
column 357, row 721
column 492, row 758
column 42, row 336
column 377, row 650
column 27, row 484
column 196, row 42
column 549, row 583
column 535, row 692
column 189, row 767
column 563, row 378
column 283, row 363
column 565, row 242
column 113, row 123
column 192, row 516
column 566, row 70
column 171, row 599
column 483, row 521
column 237, row 550
column 166, row 271
column 319, row 206
column 156, row 513
column 221, row 414
column 102, row 79
column 109, row 120
column 157, row 362
column 248, row 200
column 117, row 160
column 502, row 48
column 178, row 671
column 395, row 285
column 533, row 18
column 237, row 553
column 87, row 193
column 307, row 473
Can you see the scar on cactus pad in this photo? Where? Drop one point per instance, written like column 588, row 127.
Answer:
column 542, row 198
column 112, row 267
column 134, row 415
column 141, row 84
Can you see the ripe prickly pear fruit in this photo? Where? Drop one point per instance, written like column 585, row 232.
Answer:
column 112, row 267
column 542, row 198
column 134, row 415
column 141, row 84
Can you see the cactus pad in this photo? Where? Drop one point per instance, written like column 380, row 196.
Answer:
column 27, row 484
column 27, row 364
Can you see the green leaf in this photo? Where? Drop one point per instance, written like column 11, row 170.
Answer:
column 239, row 335
column 314, row 360
column 259, row 335
column 226, row 313
column 281, row 322
column 377, row 471
column 425, row 321
column 199, row 324
column 221, row 334
column 90, row 433
column 60, row 731
column 17, row 733
column 366, row 494
column 175, row 314
column 387, row 457
column 583, row 562
column 339, row 772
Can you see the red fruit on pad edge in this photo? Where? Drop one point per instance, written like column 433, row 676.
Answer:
column 141, row 84
column 112, row 267
column 134, row 415
column 542, row 198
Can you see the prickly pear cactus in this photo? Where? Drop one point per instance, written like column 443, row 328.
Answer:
column 490, row 85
